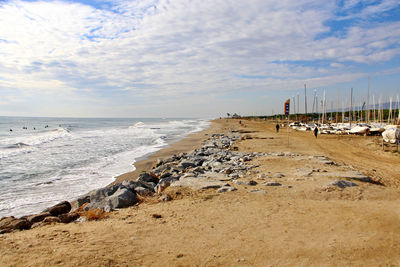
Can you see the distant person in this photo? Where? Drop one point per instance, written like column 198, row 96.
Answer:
column 316, row 131
column 277, row 128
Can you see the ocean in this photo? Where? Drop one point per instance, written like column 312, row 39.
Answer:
column 47, row 160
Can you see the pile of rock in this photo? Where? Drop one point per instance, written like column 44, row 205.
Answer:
column 59, row 213
column 208, row 167
column 211, row 166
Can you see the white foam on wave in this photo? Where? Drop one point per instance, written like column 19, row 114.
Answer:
column 82, row 161
column 137, row 125
column 80, row 180
column 15, row 145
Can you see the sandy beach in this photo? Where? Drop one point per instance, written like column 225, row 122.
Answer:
column 304, row 221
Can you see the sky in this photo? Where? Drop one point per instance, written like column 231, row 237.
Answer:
column 193, row 58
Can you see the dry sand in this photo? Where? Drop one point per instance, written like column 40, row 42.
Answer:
column 301, row 223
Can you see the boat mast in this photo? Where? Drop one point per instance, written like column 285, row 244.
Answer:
column 368, row 102
column 351, row 105
column 305, row 99
column 342, row 111
column 390, row 118
column 373, row 100
column 313, row 104
column 337, row 105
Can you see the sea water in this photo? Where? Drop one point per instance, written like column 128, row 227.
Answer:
column 47, row 160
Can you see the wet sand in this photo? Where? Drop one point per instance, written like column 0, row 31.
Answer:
column 301, row 223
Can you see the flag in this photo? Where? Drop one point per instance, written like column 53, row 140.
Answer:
column 363, row 106
column 287, row 107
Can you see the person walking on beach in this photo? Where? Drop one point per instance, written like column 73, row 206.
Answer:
column 316, row 131
column 277, row 128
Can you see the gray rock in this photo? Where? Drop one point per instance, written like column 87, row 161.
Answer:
column 241, row 182
column 272, row 184
column 234, row 175
column 82, row 200
column 133, row 184
column 187, row 164
column 342, row 183
column 161, row 168
column 141, row 191
column 226, row 189
column 352, row 175
column 122, row 198
column 323, row 160
column 101, row 193
column 164, row 183
column 278, row 175
column 198, row 183
column 165, row 174
column 147, row 178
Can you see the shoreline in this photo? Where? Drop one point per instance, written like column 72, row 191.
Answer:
column 130, row 175
column 184, row 145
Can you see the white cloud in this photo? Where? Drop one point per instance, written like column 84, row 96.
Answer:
column 168, row 49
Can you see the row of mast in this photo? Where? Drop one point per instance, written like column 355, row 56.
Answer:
column 378, row 116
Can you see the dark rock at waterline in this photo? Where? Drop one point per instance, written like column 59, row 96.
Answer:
column 68, row 217
column 60, row 208
column 9, row 224
column 37, row 217
column 52, row 219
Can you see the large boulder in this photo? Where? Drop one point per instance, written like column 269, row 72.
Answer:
column 141, row 191
column 60, row 208
column 147, row 178
column 101, row 193
column 122, row 198
column 81, row 200
column 9, row 224
column 38, row 217
column 187, row 164
column 68, row 217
